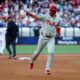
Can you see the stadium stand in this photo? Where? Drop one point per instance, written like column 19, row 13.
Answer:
column 68, row 10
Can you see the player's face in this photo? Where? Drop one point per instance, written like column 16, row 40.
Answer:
column 52, row 13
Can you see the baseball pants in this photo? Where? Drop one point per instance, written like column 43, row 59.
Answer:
column 2, row 45
column 50, row 42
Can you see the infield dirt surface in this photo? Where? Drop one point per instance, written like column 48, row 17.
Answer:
column 65, row 67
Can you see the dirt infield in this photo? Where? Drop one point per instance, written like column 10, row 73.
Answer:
column 65, row 67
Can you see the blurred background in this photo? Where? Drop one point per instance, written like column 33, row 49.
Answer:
column 68, row 10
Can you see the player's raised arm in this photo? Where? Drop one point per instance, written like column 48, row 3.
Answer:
column 33, row 15
column 45, row 19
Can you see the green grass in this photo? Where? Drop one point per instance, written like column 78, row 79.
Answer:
column 68, row 49
column 60, row 49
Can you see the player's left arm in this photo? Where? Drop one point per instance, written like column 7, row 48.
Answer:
column 58, row 30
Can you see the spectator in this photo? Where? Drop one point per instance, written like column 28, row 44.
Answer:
column 36, row 25
column 17, row 8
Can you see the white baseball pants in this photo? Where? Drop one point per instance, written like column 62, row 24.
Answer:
column 50, row 42
column 2, row 45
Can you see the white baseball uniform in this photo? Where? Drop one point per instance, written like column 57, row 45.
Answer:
column 2, row 39
column 47, row 37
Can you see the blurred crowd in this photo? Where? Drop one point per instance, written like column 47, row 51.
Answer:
column 68, row 10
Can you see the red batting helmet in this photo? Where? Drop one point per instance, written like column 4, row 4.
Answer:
column 53, row 7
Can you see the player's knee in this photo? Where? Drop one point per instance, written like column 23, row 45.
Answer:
column 51, row 52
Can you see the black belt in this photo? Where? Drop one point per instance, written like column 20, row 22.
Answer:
column 48, row 36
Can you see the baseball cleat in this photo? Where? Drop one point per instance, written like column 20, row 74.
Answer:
column 47, row 72
column 9, row 57
column 12, row 58
column 31, row 65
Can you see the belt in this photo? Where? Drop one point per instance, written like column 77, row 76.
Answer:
column 48, row 36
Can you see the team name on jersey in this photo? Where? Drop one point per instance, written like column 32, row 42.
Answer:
column 50, row 23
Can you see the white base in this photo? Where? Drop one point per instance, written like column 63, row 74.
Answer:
column 24, row 58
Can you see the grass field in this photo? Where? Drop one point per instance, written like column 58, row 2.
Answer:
column 60, row 49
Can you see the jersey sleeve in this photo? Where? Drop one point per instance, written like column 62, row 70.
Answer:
column 42, row 17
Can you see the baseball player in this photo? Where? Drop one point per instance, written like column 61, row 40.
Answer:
column 47, row 36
